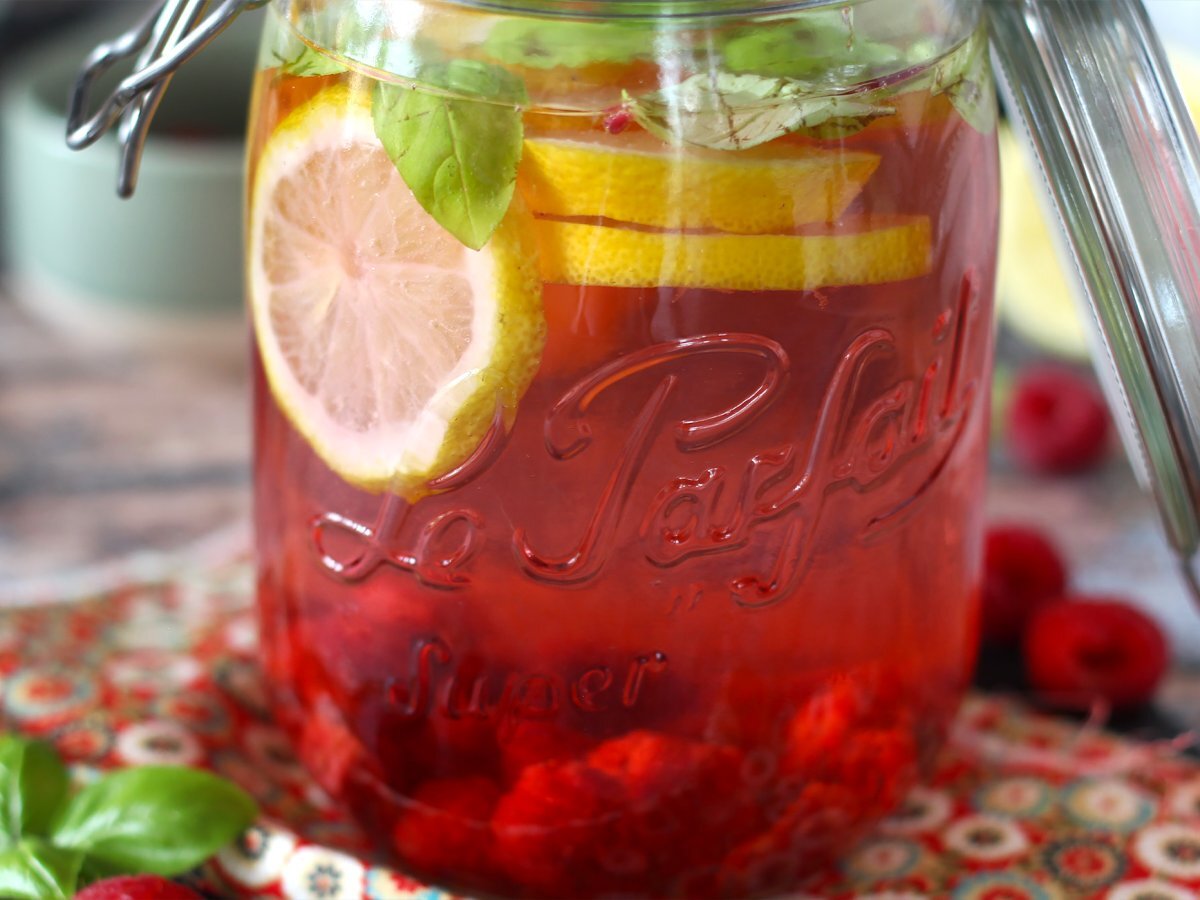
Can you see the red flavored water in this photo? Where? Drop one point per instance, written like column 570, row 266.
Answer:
column 704, row 612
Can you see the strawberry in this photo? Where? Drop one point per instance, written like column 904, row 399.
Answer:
column 445, row 827
column 1057, row 420
column 1094, row 648
column 137, row 887
column 1022, row 571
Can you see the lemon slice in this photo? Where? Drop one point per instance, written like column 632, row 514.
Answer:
column 389, row 345
column 636, row 178
column 1035, row 290
column 1035, row 296
column 860, row 251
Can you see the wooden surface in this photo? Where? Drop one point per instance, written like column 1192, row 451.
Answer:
column 106, row 452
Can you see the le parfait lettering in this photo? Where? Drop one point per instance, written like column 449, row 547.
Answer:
column 858, row 437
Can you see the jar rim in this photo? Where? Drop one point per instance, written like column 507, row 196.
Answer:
column 649, row 9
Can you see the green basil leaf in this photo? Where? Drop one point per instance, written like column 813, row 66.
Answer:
column 158, row 819
column 36, row 870
column 722, row 111
column 815, row 46
column 33, row 785
column 547, row 44
column 965, row 76
column 309, row 62
column 457, row 155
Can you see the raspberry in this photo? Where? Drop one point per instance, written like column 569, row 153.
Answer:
column 1022, row 571
column 819, row 729
column 328, row 749
column 547, row 829
column 681, row 791
column 137, row 887
column 530, row 742
column 877, row 766
column 1057, row 421
column 617, row 120
column 446, row 827
column 1090, row 648
column 817, row 822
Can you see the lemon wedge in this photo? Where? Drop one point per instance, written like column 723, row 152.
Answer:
column 636, row 178
column 389, row 346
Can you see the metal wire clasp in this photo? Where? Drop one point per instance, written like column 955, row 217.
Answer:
column 167, row 38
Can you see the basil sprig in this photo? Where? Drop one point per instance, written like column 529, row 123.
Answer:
column 456, row 142
column 162, row 820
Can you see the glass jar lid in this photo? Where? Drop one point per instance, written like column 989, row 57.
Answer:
column 1090, row 86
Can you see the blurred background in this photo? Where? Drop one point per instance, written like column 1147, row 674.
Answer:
column 124, row 406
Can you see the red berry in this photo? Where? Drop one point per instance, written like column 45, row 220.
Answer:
column 547, row 829
column 1094, row 648
column 447, row 826
column 531, row 742
column 137, row 887
column 819, row 729
column 1057, row 421
column 617, row 120
column 1022, row 571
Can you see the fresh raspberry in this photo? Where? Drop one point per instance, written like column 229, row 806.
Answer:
column 878, row 766
column 1022, row 571
column 547, row 828
column 137, row 887
column 1057, row 421
column 447, row 826
column 1092, row 648
column 683, row 793
column 328, row 749
column 806, row 833
column 530, row 742
column 820, row 728
column 617, row 120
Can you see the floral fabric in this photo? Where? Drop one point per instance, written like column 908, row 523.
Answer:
column 1022, row 806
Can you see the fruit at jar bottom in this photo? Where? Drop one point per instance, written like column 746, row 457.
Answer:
column 540, row 809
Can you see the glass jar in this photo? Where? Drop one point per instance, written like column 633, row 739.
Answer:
column 621, row 409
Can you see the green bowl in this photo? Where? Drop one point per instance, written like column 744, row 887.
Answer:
column 162, row 268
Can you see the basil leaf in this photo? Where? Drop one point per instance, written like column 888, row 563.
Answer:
column 735, row 112
column 158, row 819
column 547, row 44
column 816, row 46
column 33, row 785
column 965, row 76
column 36, row 870
column 309, row 62
column 458, row 156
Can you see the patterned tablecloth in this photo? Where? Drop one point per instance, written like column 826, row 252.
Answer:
column 1022, row 805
